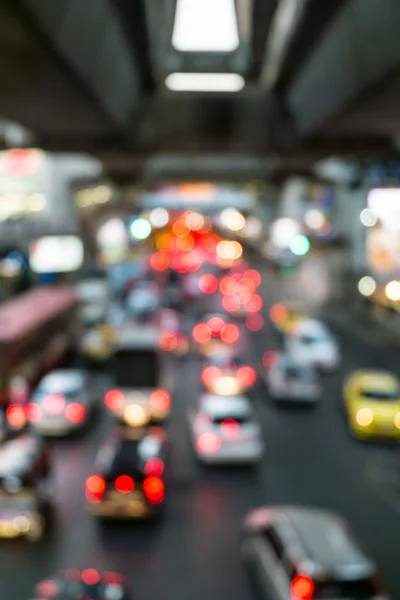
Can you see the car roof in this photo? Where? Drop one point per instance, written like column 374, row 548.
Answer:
column 63, row 378
column 121, row 454
column 137, row 337
column 375, row 379
column 320, row 537
column 225, row 405
column 17, row 455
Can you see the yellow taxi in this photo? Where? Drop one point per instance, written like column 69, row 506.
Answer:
column 372, row 403
column 98, row 342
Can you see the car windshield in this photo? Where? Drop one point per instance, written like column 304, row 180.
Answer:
column 393, row 394
column 295, row 372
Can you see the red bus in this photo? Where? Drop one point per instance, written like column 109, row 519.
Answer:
column 36, row 331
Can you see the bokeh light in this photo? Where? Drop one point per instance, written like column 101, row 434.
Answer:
column 159, row 217
column 368, row 218
column 278, row 313
column 314, row 219
column 229, row 250
column 195, row 221
column 367, row 285
column 300, row 245
column 254, row 322
column 228, row 286
column 140, row 229
column 159, row 261
column 254, row 304
column 232, row 219
column 208, row 283
column 392, row 290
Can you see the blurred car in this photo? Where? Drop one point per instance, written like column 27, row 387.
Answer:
column 97, row 343
column 304, row 553
column 63, row 402
column 94, row 296
column 143, row 300
column 227, row 376
column 216, row 335
column 129, row 478
column 86, row 585
column 141, row 395
column 287, row 379
column 173, row 337
column 25, row 488
column 372, row 403
column 225, row 431
column 311, row 342
column 284, row 315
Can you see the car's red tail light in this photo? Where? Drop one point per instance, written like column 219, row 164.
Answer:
column 154, row 466
column 254, row 322
column 15, row 416
column 168, row 341
column 47, row 588
column 208, row 443
column 270, row 359
column 254, row 276
column 216, row 324
column 153, row 488
column 112, row 578
column 95, row 488
column 302, row 588
column 202, row 333
column 74, row 412
column 114, row 400
column 230, row 333
column 230, row 304
column 230, row 427
column 209, row 375
column 254, row 303
column 54, row 404
column 160, row 400
column 278, row 313
column 72, row 575
column 228, row 286
column 246, row 286
column 124, row 484
column 90, row 576
column 208, row 284
column 246, row 376
column 33, row 412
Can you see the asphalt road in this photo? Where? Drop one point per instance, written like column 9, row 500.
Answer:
column 193, row 552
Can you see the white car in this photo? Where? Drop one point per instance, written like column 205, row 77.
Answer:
column 62, row 403
column 225, row 431
column 290, row 380
column 311, row 342
column 143, row 300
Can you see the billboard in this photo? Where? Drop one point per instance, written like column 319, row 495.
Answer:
column 56, row 254
column 383, row 232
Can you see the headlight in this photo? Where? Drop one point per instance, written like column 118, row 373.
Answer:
column 364, row 417
column 135, row 415
column 397, row 420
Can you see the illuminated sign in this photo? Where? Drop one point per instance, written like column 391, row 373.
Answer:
column 19, row 162
column 383, row 232
column 56, row 254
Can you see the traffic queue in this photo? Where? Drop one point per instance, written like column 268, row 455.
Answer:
column 293, row 552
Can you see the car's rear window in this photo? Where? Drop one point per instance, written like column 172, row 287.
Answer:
column 360, row 589
column 293, row 372
column 381, row 395
column 241, row 419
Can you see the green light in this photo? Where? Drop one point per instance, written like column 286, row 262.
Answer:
column 140, row 229
column 300, row 245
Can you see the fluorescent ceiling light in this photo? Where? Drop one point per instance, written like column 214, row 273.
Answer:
column 204, row 82
column 205, row 26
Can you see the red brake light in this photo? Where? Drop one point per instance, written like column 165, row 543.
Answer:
column 228, row 286
column 230, row 333
column 74, row 412
column 254, row 276
column 246, row 286
column 246, row 376
column 202, row 333
column 15, row 416
column 254, row 303
column 168, row 341
column 216, row 324
column 208, row 443
column 124, row 484
column 90, row 577
column 230, row 427
column 159, row 261
column 153, row 488
column 208, row 284
column 112, row 578
column 254, row 322
column 302, row 588
column 54, row 404
column 114, row 399
column 47, row 588
column 209, row 375
column 95, row 488
column 33, row 412
column 230, row 304
column 270, row 359
column 154, row 466
column 160, row 400
column 72, row 575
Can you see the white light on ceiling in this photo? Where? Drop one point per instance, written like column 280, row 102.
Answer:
column 205, row 82
column 205, row 26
